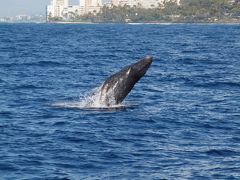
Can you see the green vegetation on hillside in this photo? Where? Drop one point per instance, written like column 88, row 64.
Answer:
column 187, row 11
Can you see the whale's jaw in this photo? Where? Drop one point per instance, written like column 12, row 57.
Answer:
column 116, row 87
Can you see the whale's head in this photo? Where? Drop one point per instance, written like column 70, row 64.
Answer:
column 138, row 69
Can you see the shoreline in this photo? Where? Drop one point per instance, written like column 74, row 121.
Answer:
column 128, row 23
column 145, row 23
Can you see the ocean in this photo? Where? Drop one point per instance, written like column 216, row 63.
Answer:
column 181, row 120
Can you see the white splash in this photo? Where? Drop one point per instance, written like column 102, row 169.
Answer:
column 95, row 99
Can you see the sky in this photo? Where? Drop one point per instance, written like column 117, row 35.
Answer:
column 29, row 7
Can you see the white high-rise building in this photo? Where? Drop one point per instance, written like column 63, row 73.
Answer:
column 115, row 2
column 56, row 8
column 92, row 6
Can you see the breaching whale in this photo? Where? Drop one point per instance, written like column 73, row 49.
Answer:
column 116, row 87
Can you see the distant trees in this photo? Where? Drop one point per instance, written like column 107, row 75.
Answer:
column 209, row 9
column 55, row 19
column 187, row 11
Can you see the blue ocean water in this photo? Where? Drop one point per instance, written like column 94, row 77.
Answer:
column 183, row 121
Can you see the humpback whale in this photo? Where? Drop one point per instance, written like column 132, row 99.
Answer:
column 116, row 87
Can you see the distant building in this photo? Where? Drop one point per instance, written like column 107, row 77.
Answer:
column 5, row 19
column 87, row 6
column 55, row 9
column 124, row 2
column 70, row 12
column 23, row 17
column 115, row 2
column 62, row 9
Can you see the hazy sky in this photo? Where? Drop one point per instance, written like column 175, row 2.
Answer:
column 31, row 7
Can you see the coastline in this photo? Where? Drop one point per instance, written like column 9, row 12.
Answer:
column 147, row 23
column 131, row 23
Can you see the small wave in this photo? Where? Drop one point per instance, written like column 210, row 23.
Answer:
column 58, row 178
column 60, row 123
column 218, row 84
column 6, row 114
column 48, row 63
column 221, row 152
column 40, row 63
column 8, row 167
column 7, row 65
column 2, row 81
column 27, row 87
